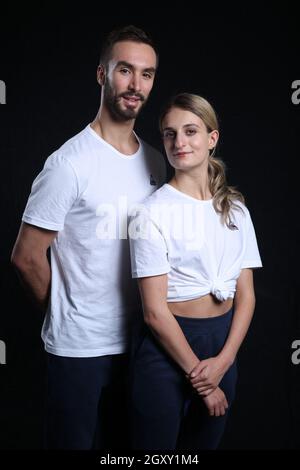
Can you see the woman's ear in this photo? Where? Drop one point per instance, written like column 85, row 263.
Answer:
column 213, row 139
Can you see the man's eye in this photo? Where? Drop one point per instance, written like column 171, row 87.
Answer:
column 148, row 75
column 168, row 135
column 125, row 71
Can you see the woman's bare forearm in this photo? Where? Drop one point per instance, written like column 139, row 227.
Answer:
column 168, row 332
column 243, row 312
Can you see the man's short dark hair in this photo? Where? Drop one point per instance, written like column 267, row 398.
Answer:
column 126, row 33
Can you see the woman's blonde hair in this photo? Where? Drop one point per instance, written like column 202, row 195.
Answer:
column 224, row 196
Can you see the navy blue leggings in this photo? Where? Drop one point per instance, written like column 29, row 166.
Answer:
column 87, row 402
column 166, row 412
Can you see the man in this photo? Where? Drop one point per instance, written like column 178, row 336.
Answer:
column 79, row 206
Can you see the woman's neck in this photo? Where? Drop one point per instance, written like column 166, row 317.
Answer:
column 195, row 186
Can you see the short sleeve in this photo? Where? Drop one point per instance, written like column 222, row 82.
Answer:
column 251, row 257
column 53, row 193
column 148, row 247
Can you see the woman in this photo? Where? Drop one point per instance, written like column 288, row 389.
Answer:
column 193, row 248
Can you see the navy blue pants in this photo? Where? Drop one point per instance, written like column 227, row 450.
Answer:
column 87, row 402
column 166, row 412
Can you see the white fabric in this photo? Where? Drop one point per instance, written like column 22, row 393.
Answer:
column 84, row 192
column 177, row 234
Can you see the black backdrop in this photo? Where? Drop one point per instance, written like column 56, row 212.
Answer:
column 244, row 61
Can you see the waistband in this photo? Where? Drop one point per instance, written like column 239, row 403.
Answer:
column 210, row 322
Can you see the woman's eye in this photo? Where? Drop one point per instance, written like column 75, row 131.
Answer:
column 190, row 131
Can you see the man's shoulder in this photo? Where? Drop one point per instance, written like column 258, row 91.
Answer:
column 73, row 157
column 76, row 152
column 76, row 145
column 156, row 162
column 146, row 147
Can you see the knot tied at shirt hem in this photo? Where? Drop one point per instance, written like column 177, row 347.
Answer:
column 222, row 290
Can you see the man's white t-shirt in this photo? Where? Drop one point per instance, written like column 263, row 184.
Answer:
column 173, row 233
column 85, row 192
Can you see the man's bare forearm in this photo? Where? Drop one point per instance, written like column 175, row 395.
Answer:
column 36, row 279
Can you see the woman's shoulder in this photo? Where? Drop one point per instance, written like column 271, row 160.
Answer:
column 239, row 206
column 240, row 212
column 159, row 197
column 155, row 206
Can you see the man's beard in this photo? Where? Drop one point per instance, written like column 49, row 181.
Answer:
column 112, row 103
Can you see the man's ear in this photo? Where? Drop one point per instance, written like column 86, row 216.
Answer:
column 101, row 75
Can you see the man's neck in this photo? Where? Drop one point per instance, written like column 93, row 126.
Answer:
column 118, row 134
